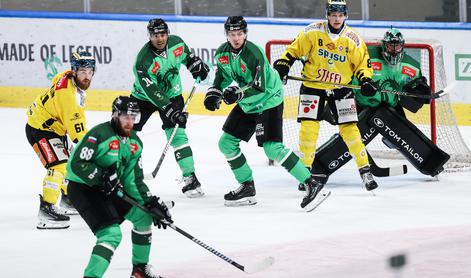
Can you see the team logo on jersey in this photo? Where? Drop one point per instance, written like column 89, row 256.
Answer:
column 408, row 71
column 331, row 56
column 224, row 60
column 155, row 68
column 114, row 145
column 242, row 67
column 177, row 52
column 376, row 65
column 134, row 148
column 330, row 46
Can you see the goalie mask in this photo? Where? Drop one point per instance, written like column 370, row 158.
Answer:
column 82, row 59
column 339, row 6
column 392, row 46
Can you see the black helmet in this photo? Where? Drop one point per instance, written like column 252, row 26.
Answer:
column 82, row 59
column 234, row 23
column 157, row 25
column 336, row 6
column 124, row 105
column 392, row 45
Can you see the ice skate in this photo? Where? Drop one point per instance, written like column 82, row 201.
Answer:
column 367, row 178
column 66, row 205
column 143, row 271
column 321, row 178
column 50, row 217
column 192, row 188
column 315, row 194
column 242, row 196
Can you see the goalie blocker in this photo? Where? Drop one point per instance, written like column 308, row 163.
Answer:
column 400, row 132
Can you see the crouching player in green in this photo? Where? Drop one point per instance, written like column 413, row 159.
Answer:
column 108, row 160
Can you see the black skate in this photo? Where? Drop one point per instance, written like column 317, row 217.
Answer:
column 192, row 188
column 50, row 217
column 66, row 205
column 321, row 178
column 313, row 189
column 242, row 196
column 367, row 177
column 143, row 271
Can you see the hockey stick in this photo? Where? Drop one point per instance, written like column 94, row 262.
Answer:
column 152, row 175
column 378, row 171
column 252, row 268
column 351, row 86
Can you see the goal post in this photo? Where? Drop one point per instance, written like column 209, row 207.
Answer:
column 436, row 120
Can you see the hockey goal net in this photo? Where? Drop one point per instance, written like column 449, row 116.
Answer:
column 436, row 120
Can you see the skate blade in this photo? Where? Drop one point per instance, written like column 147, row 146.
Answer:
column 247, row 201
column 323, row 194
column 52, row 225
column 194, row 193
column 69, row 211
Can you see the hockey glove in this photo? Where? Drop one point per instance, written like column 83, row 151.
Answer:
column 111, row 182
column 231, row 95
column 213, row 98
column 159, row 211
column 197, row 67
column 282, row 66
column 175, row 114
column 419, row 86
column 367, row 87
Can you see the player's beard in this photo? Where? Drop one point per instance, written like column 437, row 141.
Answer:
column 83, row 84
column 124, row 131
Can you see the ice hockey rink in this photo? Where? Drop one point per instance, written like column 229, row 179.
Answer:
column 352, row 234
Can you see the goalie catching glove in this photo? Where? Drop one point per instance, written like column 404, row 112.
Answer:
column 231, row 95
column 197, row 67
column 419, row 86
column 213, row 98
column 160, row 212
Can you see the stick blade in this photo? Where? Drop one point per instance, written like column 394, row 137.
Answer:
column 259, row 266
column 148, row 176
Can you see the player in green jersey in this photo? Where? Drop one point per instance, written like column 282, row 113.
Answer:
column 158, row 87
column 108, row 160
column 258, row 110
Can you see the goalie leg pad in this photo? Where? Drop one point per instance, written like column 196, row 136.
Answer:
column 409, row 141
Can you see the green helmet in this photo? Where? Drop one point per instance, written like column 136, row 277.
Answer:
column 392, row 45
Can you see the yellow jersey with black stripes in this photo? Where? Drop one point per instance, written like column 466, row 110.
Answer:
column 328, row 57
column 61, row 109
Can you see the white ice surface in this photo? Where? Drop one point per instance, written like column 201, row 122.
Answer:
column 351, row 234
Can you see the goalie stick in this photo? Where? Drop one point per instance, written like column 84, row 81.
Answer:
column 399, row 93
column 152, row 175
column 379, row 171
column 249, row 269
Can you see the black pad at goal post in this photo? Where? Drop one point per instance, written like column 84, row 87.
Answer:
column 333, row 154
column 409, row 141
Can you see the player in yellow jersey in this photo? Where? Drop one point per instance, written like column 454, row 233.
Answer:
column 52, row 116
column 331, row 52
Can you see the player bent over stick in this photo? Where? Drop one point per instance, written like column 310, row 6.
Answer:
column 105, row 162
column 331, row 52
column 258, row 109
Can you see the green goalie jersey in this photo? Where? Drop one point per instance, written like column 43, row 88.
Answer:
column 100, row 149
column 268, row 91
column 157, row 75
column 391, row 78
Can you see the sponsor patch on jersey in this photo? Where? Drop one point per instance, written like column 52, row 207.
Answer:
column 91, row 139
column 76, row 116
column 155, row 68
column 331, row 56
column 178, row 51
column 314, row 27
column 408, row 71
column 224, row 60
column 376, row 65
column 330, row 46
column 62, row 83
column 242, row 67
column 134, row 148
column 114, row 145
column 354, row 37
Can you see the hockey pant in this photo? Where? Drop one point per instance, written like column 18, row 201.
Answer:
column 404, row 135
column 108, row 239
column 182, row 151
column 230, row 146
